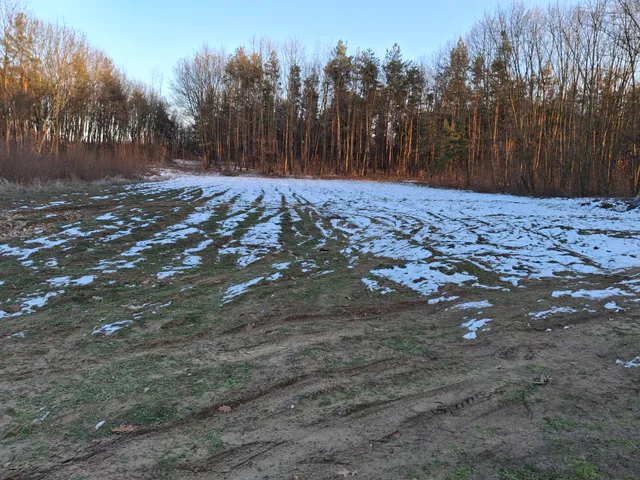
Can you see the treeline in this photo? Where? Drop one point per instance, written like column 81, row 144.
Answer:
column 532, row 100
column 58, row 92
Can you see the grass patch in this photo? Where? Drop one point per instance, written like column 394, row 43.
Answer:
column 460, row 474
column 408, row 345
column 585, row 471
column 213, row 442
column 538, row 369
column 153, row 414
column 559, row 424
column 235, row 375
column 527, row 473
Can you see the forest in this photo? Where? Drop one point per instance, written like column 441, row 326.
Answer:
column 539, row 101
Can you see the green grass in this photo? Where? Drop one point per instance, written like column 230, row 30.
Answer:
column 518, row 392
column 559, row 424
column 538, row 369
column 460, row 474
column 235, row 375
column 213, row 442
column 408, row 345
column 152, row 413
column 527, row 473
column 585, row 471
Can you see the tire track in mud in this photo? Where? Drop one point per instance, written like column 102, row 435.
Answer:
column 317, row 382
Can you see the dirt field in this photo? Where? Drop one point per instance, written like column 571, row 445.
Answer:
column 234, row 328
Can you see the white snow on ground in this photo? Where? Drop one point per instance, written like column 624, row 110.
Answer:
column 591, row 294
column 424, row 278
column 426, row 238
column 107, row 216
column 166, row 274
column 307, row 266
column 631, row 363
column 51, row 205
column 30, row 303
column 518, row 238
column 66, row 281
column 433, row 301
column 553, row 310
column 259, row 240
column 633, row 285
column 374, row 286
column 473, row 326
column 236, row 290
column 112, row 327
column 613, row 306
column 472, row 305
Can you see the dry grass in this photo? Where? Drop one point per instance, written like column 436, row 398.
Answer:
column 21, row 166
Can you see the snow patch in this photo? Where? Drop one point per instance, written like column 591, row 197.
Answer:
column 473, row 326
column 553, row 310
column 424, row 278
column 630, row 364
column 472, row 305
column 374, row 286
column 613, row 306
column 591, row 294
column 110, row 328
column 237, row 290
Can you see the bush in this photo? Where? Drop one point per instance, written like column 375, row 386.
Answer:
column 21, row 165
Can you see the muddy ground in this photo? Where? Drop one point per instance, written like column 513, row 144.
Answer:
column 324, row 377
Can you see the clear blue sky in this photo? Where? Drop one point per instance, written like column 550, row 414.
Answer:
column 143, row 35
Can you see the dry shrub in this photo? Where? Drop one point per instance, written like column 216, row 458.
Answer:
column 21, row 165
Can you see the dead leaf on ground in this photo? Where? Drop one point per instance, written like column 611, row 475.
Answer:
column 124, row 429
column 224, row 408
column 346, row 473
column 395, row 434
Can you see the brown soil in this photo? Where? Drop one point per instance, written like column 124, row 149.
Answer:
column 332, row 397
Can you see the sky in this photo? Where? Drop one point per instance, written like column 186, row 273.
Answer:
column 147, row 36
